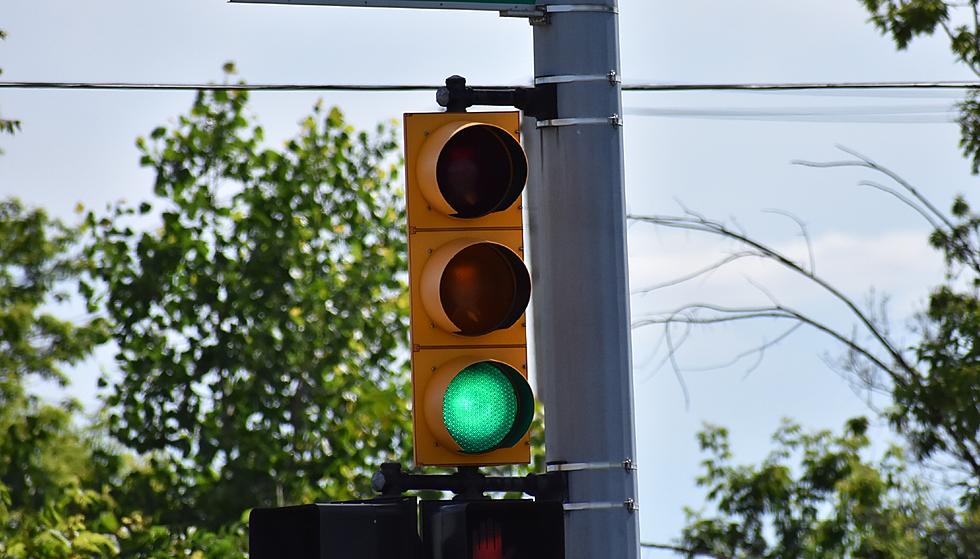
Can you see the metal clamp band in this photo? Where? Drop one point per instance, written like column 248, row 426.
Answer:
column 614, row 120
column 612, row 77
column 627, row 465
column 629, row 504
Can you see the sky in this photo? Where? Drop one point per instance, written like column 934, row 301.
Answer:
column 710, row 152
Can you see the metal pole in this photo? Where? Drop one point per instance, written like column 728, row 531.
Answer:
column 581, row 322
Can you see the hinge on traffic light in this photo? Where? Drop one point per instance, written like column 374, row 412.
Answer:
column 540, row 101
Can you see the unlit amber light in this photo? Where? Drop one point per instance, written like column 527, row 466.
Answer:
column 485, row 287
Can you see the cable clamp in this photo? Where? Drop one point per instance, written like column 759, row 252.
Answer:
column 612, row 77
column 629, row 504
column 614, row 120
column 628, row 465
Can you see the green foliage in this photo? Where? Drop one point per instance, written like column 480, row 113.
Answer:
column 938, row 410
column 817, row 497
column 935, row 403
column 903, row 20
column 36, row 262
column 906, row 19
column 261, row 326
column 60, row 488
column 7, row 126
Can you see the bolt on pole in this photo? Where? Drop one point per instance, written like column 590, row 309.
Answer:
column 581, row 321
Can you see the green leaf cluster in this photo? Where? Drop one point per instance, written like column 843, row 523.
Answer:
column 261, row 325
column 36, row 264
column 935, row 398
column 258, row 307
column 7, row 126
column 817, row 496
column 64, row 491
column 904, row 20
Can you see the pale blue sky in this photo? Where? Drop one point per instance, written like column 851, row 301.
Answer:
column 78, row 146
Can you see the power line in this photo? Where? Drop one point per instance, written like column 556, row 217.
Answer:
column 424, row 87
column 129, row 86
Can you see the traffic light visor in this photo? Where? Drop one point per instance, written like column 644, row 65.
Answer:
column 476, row 406
column 472, row 287
column 470, row 169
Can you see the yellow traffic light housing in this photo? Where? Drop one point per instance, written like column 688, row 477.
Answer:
column 472, row 404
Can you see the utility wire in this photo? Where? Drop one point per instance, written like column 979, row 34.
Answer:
column 423, row 87
column 212, row 86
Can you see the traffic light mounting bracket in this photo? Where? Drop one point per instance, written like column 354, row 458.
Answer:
column 469, row 484
column 540, row 101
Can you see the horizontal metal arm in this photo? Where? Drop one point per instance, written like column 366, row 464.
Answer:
column 540, row 101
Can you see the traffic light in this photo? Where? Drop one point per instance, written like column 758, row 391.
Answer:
column 472, row 404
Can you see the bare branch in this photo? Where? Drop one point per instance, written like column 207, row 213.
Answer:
column 804, row 232
column 866, row 162
column 672, row 355
column 759, row 351
column 905, row 199
column 693, row 275
column 704, row 225
column 730, row 314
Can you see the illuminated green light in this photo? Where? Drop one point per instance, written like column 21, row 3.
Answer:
column 479, row 408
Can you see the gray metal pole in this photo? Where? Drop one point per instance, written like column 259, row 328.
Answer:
column 581, row 322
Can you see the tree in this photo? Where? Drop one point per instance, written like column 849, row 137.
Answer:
column 261, row 327
column 818, row 496
column 35, row 265
column 904, row 20
column 44, row 462
column 935, row 383
column 832, row 502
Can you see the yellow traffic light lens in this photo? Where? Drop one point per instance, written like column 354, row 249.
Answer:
column 481, row 169
column 480, row 408
column 484, row 287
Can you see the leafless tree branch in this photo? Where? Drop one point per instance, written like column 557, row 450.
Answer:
column 804, row 232
column 672, row 356
column 905, row 199
column 693, row 222
column 759, row 351
column 867, row 162
column 693, row 275
column 687, row 314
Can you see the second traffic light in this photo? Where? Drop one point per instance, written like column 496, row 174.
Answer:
column 469, row 288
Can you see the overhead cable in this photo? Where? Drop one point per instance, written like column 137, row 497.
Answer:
column 426, row 87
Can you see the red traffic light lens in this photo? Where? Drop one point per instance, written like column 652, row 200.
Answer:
column 484, row 287
column 481, row 169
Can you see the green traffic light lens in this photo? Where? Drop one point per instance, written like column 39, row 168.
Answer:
column 480, row 408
